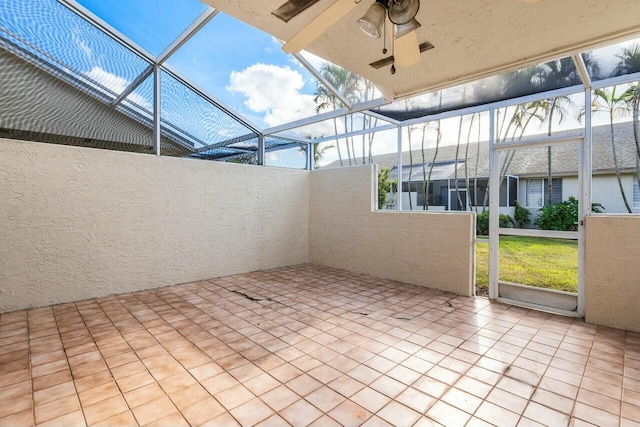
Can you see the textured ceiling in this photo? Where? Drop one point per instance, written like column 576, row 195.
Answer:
column 472, row 38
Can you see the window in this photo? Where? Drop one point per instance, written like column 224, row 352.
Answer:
column 537, row 190
column 636, row 193
column 534, row 193
column 556, row 190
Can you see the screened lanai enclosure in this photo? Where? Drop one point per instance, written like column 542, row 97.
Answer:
column 252, row 213
column 150, row 99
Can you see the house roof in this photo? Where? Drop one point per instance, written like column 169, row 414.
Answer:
column 525, row 162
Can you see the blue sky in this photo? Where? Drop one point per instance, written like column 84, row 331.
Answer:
column 241, row 66
column 221, row 58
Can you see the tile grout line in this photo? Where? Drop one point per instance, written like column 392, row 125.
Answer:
column 33, row 398
column 64, row 349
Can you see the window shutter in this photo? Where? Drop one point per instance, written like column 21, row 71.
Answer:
column 534, row 193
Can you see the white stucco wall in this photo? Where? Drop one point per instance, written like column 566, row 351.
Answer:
column 80, row 223
column 570, row 187
column 612, row 274
column 433, row 249
column 605, row 190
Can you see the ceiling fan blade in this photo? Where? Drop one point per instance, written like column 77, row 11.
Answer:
column 406, row 50
column 293, row 8
column 318, row 25
column 424, row 46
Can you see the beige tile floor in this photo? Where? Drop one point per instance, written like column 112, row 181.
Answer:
column 306, row 345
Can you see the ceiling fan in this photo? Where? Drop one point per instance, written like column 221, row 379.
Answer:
column 401, row 14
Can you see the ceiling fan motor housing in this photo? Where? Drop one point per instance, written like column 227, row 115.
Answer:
column 402, row 11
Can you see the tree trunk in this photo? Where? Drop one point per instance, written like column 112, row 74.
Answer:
column 475, row 174
column 364, row 124
column 353, row 143
column 346, row 139
column 636, row 128
column 549, row 172
column 455, row 173
column 425, row 189
column 335, row 127
column 466, row 161
column 510, row 153
column 435, row 155
column 410, row 172
column 617, row 167
column 372, row 136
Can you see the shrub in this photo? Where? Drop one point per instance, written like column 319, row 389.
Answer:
column 562, row 216
column 521, row 216
column 384, row 186
column 482, row 222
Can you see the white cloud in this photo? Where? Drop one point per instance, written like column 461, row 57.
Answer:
column 117, row 84
column 82, row 45
column 274, row 91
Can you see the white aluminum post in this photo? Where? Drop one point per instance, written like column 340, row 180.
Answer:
column 494, row 209
column 584, row 169
column 399, row 169
column 310, row 148
column 261, row 150
column 156, row 110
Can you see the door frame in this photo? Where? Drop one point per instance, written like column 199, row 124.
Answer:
column 583, row 138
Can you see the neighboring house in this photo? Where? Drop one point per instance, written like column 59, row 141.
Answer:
column 526, row 177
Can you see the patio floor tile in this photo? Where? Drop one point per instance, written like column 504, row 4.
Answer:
column 308, row 345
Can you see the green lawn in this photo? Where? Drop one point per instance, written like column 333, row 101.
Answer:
column 535, row 261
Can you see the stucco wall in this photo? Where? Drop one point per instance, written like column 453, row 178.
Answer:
column 422, row 248
column 612, row 276
column 605, row 190
column 80, row 223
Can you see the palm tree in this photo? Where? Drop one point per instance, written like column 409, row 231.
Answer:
column 427, row 179
column 318, row 153
column 629, row 62
column 346, row 83
column 518, row 123
column 466, row 159
column 559, row 73
column 615, row 106
column 369, row 93
column 456, row 160
column 409, row 130
column 400, row 172
column 425, row 184
column 475, row 173
column 557, row 106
